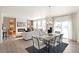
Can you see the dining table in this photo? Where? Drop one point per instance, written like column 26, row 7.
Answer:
column 47, row 39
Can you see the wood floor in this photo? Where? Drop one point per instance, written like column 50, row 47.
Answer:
column 14, row 46
column 18, row 46
column 73, row 47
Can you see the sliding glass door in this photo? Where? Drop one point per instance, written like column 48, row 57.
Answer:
column 64, row 25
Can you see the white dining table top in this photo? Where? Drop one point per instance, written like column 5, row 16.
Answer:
column 48, row 37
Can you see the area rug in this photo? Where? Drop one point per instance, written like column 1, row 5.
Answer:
column 58, row 49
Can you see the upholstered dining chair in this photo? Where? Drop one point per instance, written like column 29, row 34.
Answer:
column 37, row 43
column 54, row 41
column 57, row 32
column 60, row 38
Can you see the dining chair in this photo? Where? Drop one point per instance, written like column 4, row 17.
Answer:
column 37, row 43
column 54, row 41
column 60, row 38
column 57, row 32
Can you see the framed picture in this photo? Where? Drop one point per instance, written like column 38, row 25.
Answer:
column 20, row 24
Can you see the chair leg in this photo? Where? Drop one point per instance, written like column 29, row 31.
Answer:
column 53, row 46
column 39, row 51
column 33, row 48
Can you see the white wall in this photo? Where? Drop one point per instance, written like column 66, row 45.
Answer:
column 77, row 25
column 74, row 26
column 1, row 34
column 75, row 22
column 0, row 26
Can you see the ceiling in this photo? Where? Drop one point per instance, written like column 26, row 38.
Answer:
column 35, row 12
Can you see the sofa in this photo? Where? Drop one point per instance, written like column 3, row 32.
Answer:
column 28, row 35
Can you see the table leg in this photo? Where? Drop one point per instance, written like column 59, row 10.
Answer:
column 48, row 46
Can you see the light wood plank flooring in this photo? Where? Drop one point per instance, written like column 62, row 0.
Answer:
column 18, row 46
column 14, row 46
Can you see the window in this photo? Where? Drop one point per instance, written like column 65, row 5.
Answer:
column 35, row 24
column 58, row 26
column 44, row 25
column 63, row 24
column 39, row 24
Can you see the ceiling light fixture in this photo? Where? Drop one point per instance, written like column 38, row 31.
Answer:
column 50, row 12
